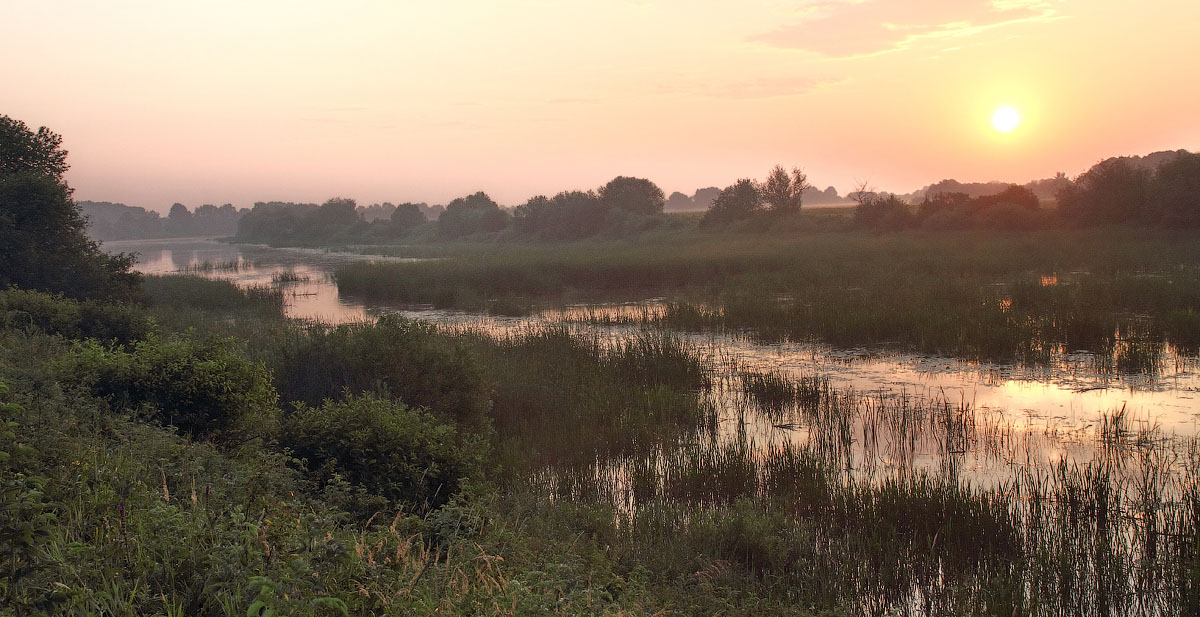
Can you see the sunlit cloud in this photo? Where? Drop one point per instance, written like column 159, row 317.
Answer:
column 860, row 29
column 758, row 88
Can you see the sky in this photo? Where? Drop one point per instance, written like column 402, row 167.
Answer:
column 243, row 101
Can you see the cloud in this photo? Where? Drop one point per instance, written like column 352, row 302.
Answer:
column 757, row 88
column 861, row 28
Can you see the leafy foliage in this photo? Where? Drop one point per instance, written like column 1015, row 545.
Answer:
column 471, row 214
column 204, row 388
column 24, row 151
column 783, row 193
column 402, row 454
column 74, row 319
column 632, row 194
column 738, row 201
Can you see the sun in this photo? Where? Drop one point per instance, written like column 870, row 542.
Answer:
column 1005, row 119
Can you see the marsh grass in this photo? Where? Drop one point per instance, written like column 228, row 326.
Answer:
column 967, row 294
column 207, row 267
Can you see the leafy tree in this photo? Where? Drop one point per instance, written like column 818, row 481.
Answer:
column 23, row 150
column 783, row 193
column 407, row 216
column 1017, row 196
column 678, row 201
column 1112, row 191
column 569, row 215
column 43, row 239
column 471, row 214
column 1176, row 191
column 738, row 201
column 633, row 194
column 704, row 197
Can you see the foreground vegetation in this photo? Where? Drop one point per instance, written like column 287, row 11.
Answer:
column 613, row 490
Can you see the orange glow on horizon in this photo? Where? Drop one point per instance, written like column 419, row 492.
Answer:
column 300, row 100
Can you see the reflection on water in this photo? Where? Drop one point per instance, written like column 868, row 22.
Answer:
column 1067, row 397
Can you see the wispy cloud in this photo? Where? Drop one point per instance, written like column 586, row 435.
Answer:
column 864, row 28
column 756, row 88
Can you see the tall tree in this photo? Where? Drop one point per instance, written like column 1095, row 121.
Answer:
column 473, row 213
column 43, row 240
column 738, row 201
column 784, row 193
column 633, row 194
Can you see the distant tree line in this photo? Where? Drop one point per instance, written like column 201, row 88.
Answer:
column 1162, row 189
column 622, row 206
column 116, row 221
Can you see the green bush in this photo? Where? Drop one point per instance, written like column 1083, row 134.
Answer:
column 73, row 319
column 204, row 388
column 402, row 454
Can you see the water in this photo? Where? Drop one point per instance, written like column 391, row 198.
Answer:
column 1068, row 398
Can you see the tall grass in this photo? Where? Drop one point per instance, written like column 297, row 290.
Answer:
column 971, row 294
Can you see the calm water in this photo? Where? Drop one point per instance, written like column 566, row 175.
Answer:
column 1055, row 409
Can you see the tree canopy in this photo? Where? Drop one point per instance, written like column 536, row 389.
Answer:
column 737, row 201
column 471, row 214
column 43, row 239
column 633, row 194
column 783, row 193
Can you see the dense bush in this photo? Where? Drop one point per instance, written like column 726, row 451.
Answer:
column 73, row 319
column 402, row 454
column 406, row 358
column 204, row 388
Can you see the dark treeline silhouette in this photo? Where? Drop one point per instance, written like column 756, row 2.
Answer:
column 1161, row 189
column 623, row 206
column 338, row 220
column 702, row 199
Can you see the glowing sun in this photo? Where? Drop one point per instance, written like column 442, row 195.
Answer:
column 1006, row 119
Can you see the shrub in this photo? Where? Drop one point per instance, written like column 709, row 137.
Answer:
column 391, row 450
column 204, row 388
column 73, row 319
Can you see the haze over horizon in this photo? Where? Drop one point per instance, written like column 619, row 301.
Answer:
column 301, row 101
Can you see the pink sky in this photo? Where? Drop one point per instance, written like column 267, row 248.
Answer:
column 238, row 102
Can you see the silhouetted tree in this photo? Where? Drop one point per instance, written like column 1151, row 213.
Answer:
column 407, row 216
column 738, row 201
column 703, row 198
column 633, row 194
column 24, row 150
column 569, row 215
column 678, row 201
column 1112, row 191
column 783, row 193
column 43, row 240
column 1176, row 191
column 471, row 214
